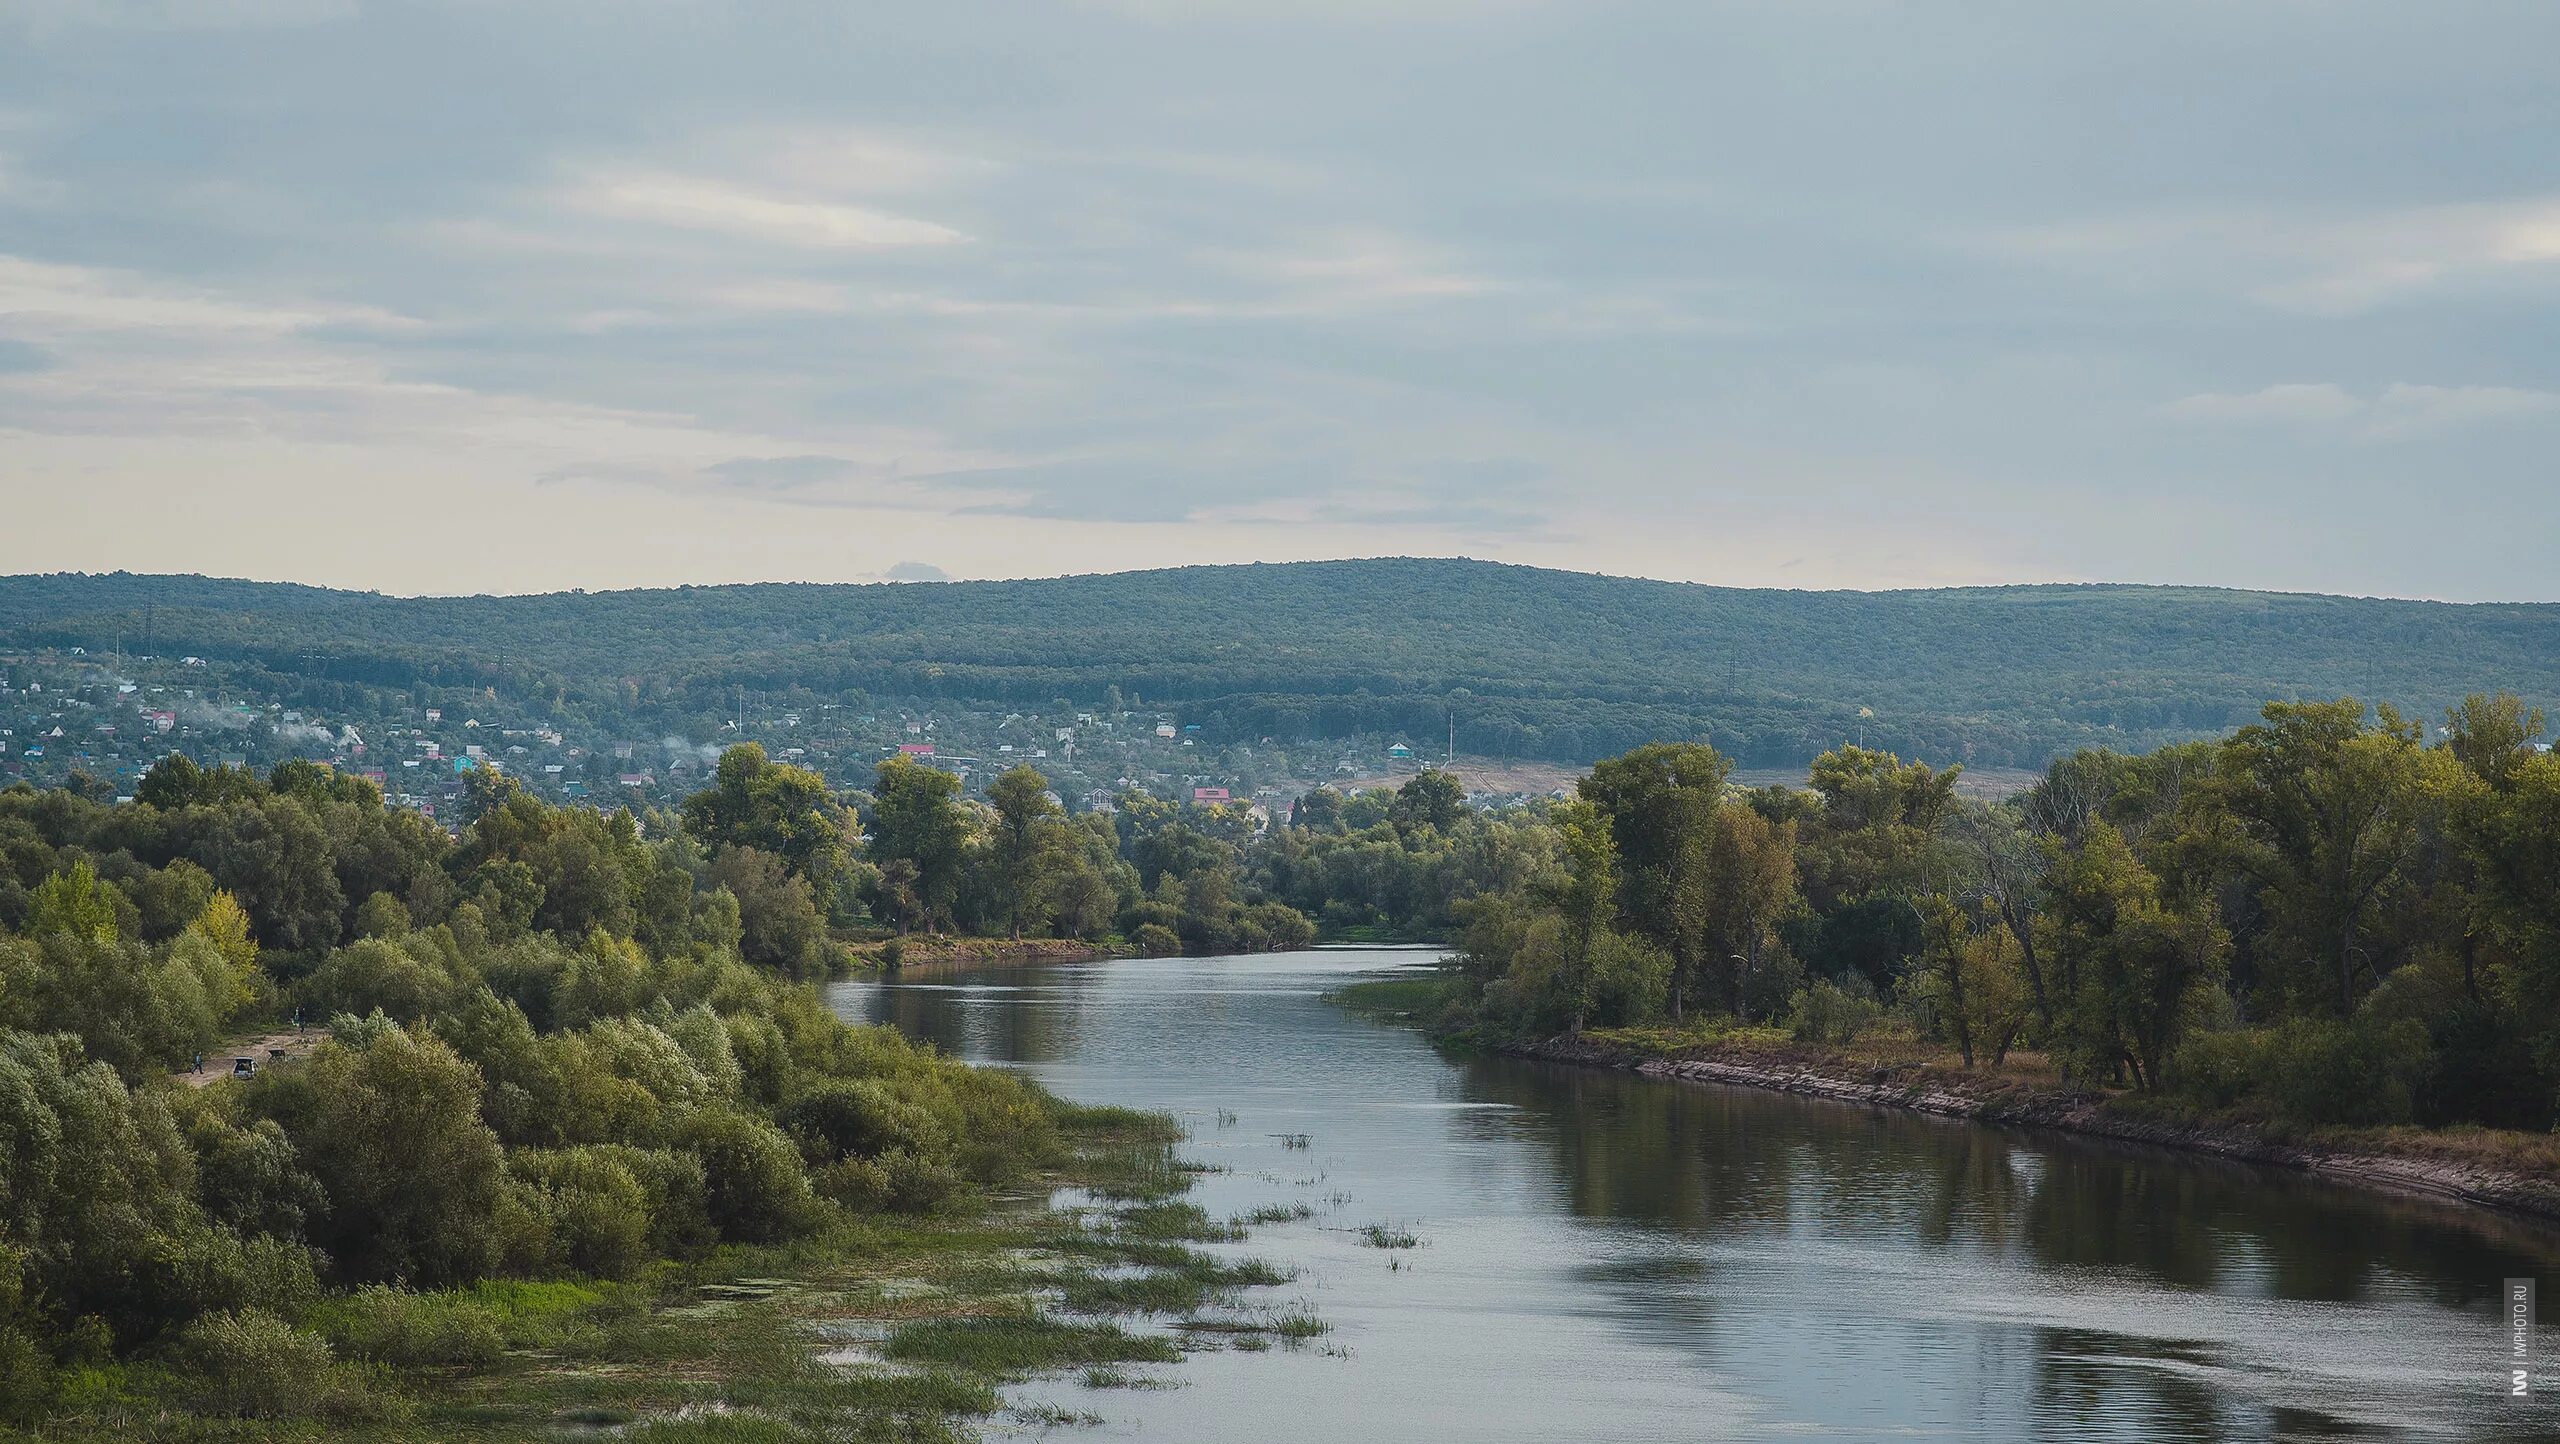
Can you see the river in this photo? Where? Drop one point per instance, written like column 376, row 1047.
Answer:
column 1605, row 1257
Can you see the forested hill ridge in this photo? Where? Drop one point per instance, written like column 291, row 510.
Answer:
column 1539, row 664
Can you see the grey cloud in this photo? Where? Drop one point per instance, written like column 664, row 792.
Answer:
column 1584, row 282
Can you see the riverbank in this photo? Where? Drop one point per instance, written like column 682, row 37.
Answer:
column 885, row 1327
column 941, row 950
column 2509, row 1171
column 2513, row 1172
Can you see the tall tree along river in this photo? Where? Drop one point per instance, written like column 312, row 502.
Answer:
column 1601, row 1256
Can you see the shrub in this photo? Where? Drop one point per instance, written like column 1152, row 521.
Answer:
column 679, row 1197
column 390, row 1124
column 861, row 1118
column 595, row 1209
column 1629, row 977
column 253, row 1365
column 1155, row 940
column 2363, row 1072
column 374, row 974
column 860, row 1184
column 2218, row 1070
column 1828, row 1012
column 757, row 1192
column 2360, row 1072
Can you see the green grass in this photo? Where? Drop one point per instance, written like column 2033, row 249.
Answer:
column 1391, row 997
column 1015, row 1345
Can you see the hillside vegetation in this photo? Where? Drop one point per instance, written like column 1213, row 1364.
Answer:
column 1533, row 663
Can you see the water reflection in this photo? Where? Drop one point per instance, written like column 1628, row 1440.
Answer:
column 1611, row 1256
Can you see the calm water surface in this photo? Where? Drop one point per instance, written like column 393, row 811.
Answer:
column 1611, row 1258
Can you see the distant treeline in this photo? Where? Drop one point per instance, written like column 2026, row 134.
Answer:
column 1527, row 663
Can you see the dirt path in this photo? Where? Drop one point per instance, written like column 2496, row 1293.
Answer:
column 217, row 1064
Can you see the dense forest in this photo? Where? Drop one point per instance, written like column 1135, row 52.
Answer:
column 1525, row 662
column 2322, row 919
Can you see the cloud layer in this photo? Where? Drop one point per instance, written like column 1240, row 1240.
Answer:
column 465, row 296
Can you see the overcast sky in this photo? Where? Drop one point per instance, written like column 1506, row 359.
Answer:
column 1825, row 293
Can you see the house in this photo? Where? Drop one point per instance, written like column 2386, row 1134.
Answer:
column 1207, row 796
column 1164, row 729
column 916, row 749
column 634, row 779
column 1399, row 750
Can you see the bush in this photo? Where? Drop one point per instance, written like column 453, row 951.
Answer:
column 594, row 1209
column 374, row 974
column 1629, row 978
column 1155, row 940
column 1828, row 1012
column 863, row 1118
column 253, row 1365
column 2219, row 1070
column 2312, row 1071
column 679, row 1197
column 2363, row 1072
column 758, row 1192
column 411, row 1331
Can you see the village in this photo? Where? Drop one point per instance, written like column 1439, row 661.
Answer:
column 68, row 715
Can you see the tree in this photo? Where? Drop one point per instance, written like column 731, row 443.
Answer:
column 389, row 1122
column 1750, row 870
column 1877, row 819
column 93, row 1181
column 916, row 819
column 1587, row 899
column 2135, row 967
column 1969, row 978
column 778, row 922
column 77, row 904
column 1319, row 810
column 2326, row 816
column 1432, row 799
column 2009, row 866
column 225, row 925
column 2492, row 735
column 1024, row 843
column 775, row 808
column 1659, row 802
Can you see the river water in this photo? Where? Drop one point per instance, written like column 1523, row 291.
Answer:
column 1606, row 1257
